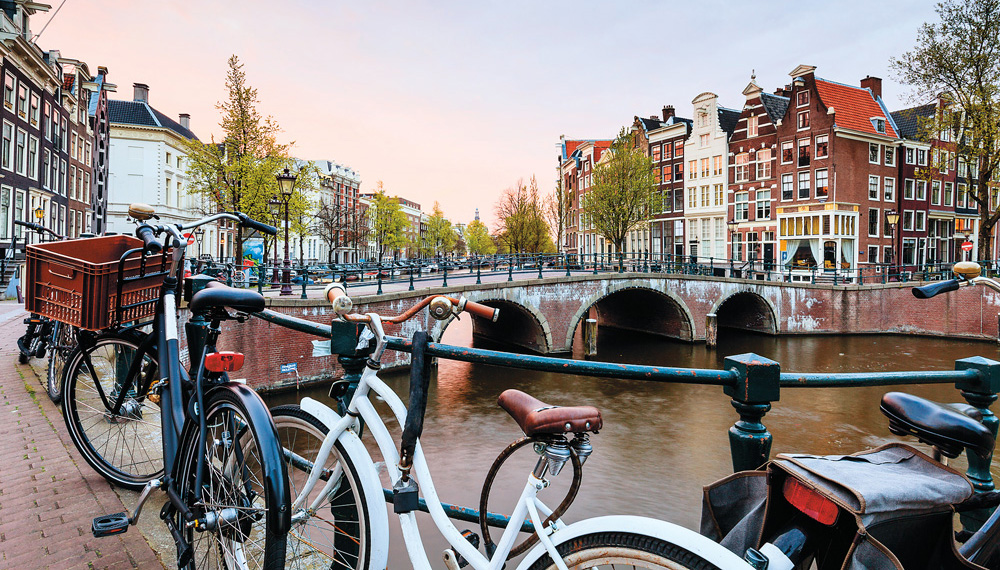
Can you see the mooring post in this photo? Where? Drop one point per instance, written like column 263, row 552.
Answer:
column 590, row 337
column 711, row 330
column 980, row 393
column 756, row 386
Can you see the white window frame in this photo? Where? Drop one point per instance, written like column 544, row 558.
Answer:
column 874, row 187
column 878, row 219
column 920, row 221
column 826, row 141
column 790, row 179
column 878, row 153
column 890, row 155
column 889, row 189
column 909, row 188
column 921, row 190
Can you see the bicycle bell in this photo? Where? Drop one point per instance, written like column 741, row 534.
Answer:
column 141, row 212
column 440, row 308
column 966, row 270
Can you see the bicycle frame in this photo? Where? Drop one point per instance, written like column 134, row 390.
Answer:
column 360, row 409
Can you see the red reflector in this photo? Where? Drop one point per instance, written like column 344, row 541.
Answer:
column 810, row 503
column 224, row 361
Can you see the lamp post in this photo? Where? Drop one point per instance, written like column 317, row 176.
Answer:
column 275, row 204
column 286, row 181
column 200, row 232
column 892, row 218
column 39, row 214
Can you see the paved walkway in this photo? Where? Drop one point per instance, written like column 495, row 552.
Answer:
column 48, row 494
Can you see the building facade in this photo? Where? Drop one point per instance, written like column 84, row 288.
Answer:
column 337, row 207
column 45, row 132
column 576, row 169
column 753, row 189
column 838, row 174
column 706, row 153
column 147, row 164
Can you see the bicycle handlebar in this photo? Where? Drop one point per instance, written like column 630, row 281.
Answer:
column 145, row 233
column 38, row 228
column 342, row 304
column 928, row 291
column 249, row 222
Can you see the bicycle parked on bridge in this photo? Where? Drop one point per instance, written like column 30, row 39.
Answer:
column 47, row 336
column 138, row 416
column 339, row 515
column 891, row 507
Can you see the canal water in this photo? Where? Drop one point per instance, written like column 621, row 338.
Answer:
column 661, row 442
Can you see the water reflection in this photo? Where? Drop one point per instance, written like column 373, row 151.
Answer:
column 661, row 442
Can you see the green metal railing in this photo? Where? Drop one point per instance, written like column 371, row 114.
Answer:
column 433, row 272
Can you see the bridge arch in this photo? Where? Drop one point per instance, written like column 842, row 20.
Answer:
column 651, row 300
column 520, row 322
column 747, row 310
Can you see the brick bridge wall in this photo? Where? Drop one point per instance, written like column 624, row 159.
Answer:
column 543, row 315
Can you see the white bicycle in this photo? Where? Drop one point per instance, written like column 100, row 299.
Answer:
column 339, row 515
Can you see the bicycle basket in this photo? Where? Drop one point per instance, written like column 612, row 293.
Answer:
column 88, row 284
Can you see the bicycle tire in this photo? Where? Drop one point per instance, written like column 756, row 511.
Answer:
column 349, row 546
column 233, row 482
column 25, row 342
column 126, row 449
column 638, row 551
column 61, row 347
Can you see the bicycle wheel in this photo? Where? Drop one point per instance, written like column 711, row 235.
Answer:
column 125, row 448
column 338, row 535
column 233, row 499
column 61, row 345
column 611, row 549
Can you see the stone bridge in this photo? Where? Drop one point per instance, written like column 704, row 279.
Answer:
column 543, row 315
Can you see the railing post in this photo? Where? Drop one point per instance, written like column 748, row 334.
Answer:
column 305, row 281
column 980, row 393
column 593, row 257
column 479, row 274
column 229, row 274
column 566, row 263
column 379, row 278
column 411, row 278
column 541, row 262
column 813, row 275
column 444, row 273
column 510, row 269
column 755, row 388
column 260, row 279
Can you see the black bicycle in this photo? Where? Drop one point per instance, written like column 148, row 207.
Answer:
column 44, row 336
column 219, row 461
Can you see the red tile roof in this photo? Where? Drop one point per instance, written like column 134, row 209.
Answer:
column 854, row 107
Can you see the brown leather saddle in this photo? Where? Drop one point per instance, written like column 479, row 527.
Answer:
column 536, row 417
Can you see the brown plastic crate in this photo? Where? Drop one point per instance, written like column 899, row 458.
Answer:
column 76, row 281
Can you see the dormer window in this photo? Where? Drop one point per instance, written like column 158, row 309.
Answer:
column 879, row 124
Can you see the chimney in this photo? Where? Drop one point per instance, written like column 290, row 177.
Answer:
column 185, row 120
column 668, row 111
column 141, row 91
column 873, row 83
column 785, row 91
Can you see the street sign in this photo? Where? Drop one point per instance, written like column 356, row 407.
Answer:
column 967, row 246
column 189, row 237
column 290, row 367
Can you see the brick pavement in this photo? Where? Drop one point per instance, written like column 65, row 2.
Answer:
column 48, row 495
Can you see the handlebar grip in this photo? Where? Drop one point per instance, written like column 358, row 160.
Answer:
column 29, row 225
column 145, row 233
column 928, row 291
column 249, row 222
column 481, row 310
column 342, row 303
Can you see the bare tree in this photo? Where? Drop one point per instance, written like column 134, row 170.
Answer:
column 522, row 222
column 556, row 209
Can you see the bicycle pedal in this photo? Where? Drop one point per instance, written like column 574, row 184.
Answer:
column 109, row 525
column 473, row 539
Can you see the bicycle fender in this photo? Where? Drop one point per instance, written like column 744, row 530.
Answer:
column 378, row 515
column 272, row 459
column 669, row 532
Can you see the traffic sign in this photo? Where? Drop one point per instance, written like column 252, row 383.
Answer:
column 190, row 238
column 967, row 246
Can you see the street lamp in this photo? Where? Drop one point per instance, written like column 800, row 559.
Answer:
column 275, row 204
column 286, row 182
column 732, row 233
column 892, row 218
column 200, row 232
column 39, row 214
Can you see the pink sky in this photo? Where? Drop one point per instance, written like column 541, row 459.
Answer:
column 454, row 101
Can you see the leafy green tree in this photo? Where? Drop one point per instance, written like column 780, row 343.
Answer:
column 478, row 240
column 440, row 236
column 958, row 59
column 388, row 223
column 621, row 196
column 238, row 173
column 522, row 221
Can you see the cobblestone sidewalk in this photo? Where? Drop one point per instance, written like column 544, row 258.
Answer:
column 48, row 496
